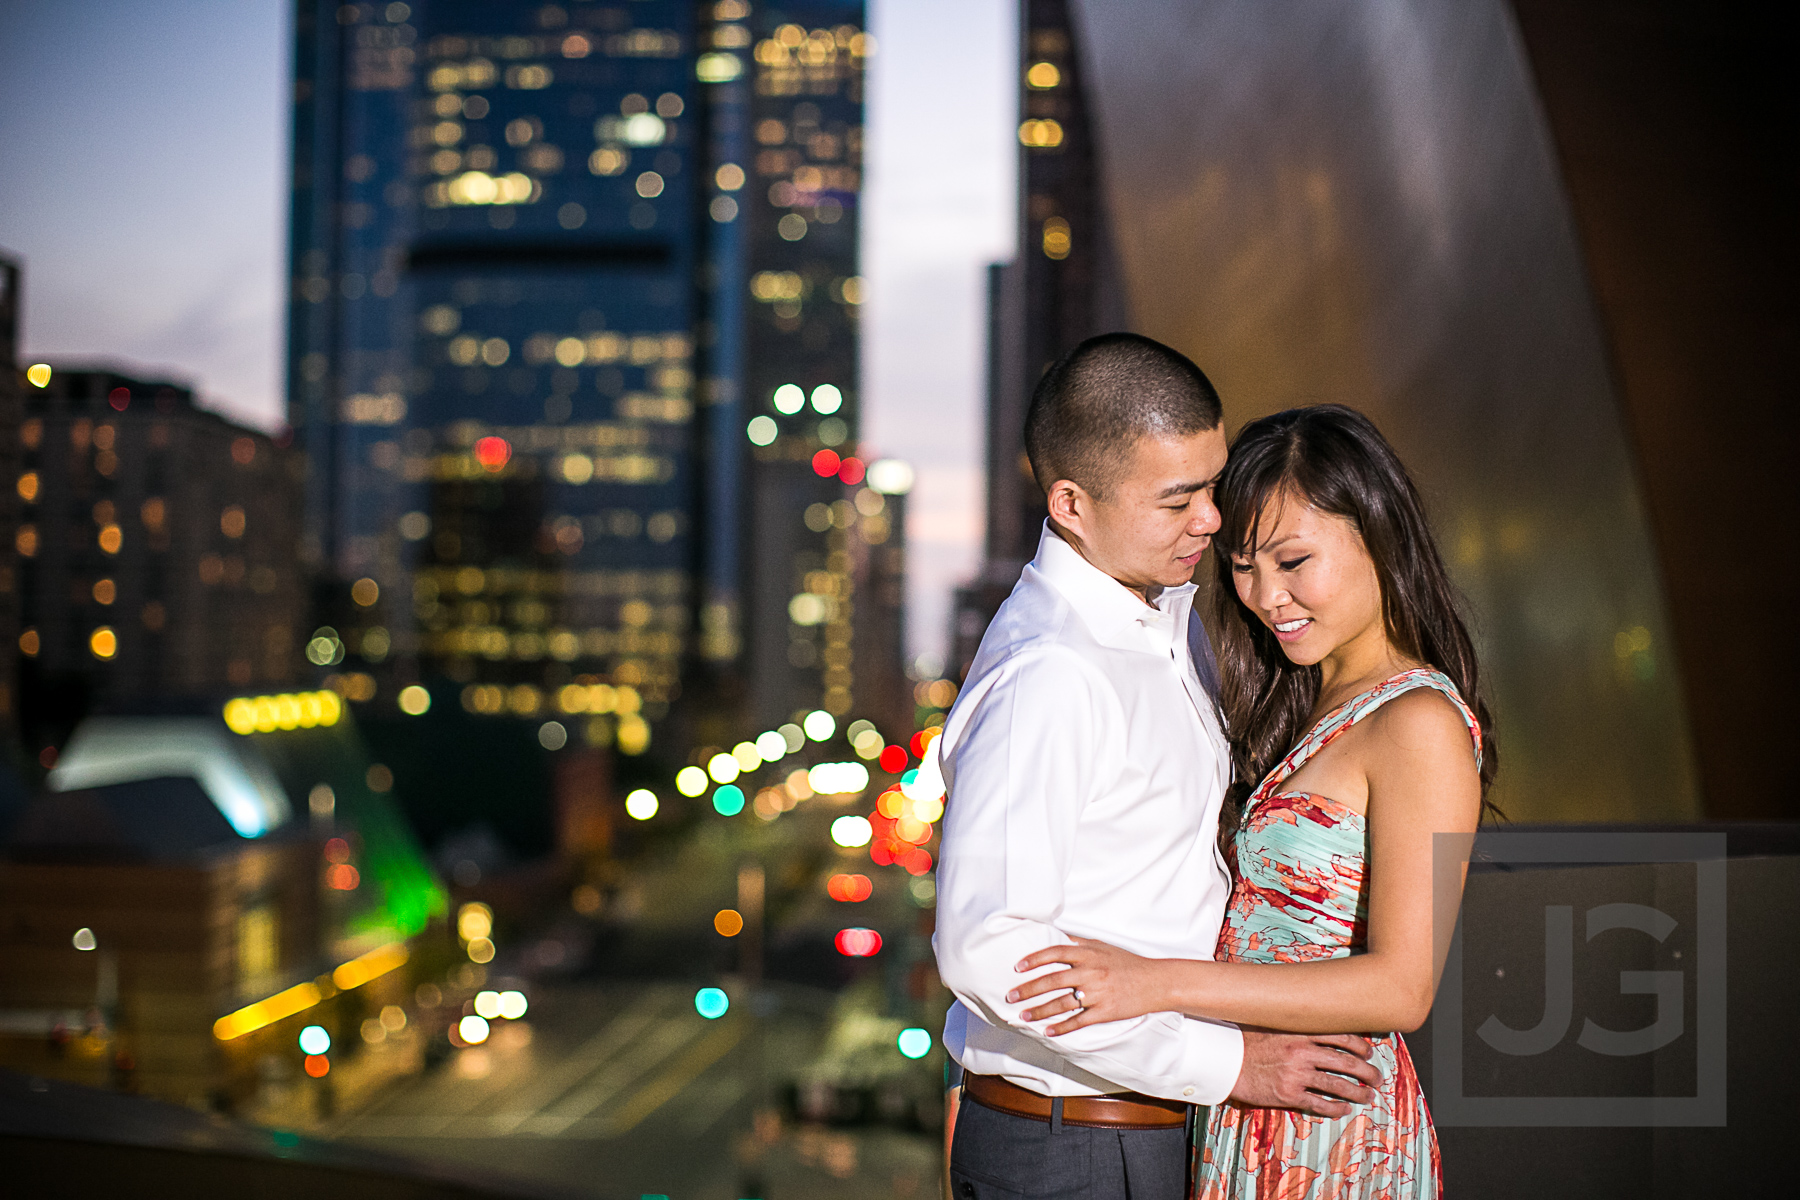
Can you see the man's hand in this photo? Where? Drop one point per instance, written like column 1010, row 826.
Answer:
column 1306, row 1072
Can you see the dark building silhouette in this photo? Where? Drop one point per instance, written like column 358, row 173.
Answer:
column 155, row 549
column 1059, row 289
column 12, row 386
column 549, row 266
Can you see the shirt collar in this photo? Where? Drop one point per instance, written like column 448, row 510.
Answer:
column 1113, row 613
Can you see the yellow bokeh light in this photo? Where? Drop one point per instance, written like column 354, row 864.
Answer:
column 111, row 538
column 1042, row 134
column 633, row 735
column 414, row 700
column 690, row 781
column 365, row 592
column 474, row 920
column 481, row 950
column 38, row 374
column 103, row 642
column 723, row 768
column 747, row 755
column 28, row 486
column 1043, row 76
column 373, row 965
column 266, row 714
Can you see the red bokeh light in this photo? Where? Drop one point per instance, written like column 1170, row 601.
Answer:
column 47, row 757
column 918, row 744
column 337, row 850
column 893, row 759
column 343, row 877
column 317, row 1065
column 119, row 398
column 851, row 470
column 881, row 852
column 858, row 943
column 849, row 888
column 492, row 453
column 917, row 861
column 826, row 463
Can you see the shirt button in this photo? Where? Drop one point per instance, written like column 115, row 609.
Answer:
column 1187, row 1091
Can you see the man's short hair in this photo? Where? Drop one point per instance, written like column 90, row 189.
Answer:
column 1100, row 399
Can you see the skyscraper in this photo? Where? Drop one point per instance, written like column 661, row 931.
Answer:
column 551, row 264
column 1058, row 289
column 11, row 405
column 155, row 549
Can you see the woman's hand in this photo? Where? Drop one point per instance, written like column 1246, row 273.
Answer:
column 1099, row 983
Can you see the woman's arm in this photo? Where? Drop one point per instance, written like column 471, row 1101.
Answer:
column 1423, row 785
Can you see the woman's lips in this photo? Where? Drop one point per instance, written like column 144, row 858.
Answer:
column 1292, row 631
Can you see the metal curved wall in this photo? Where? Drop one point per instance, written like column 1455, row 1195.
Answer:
column 1359, row 203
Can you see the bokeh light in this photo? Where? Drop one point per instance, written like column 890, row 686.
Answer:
column 827, row 399
column 513, row 1005
column 711, row 1003
column 762, row 431
column 729, row 922
column 851, row 471
column 473, row 1029
column 414, row 700
column 474, row 920
column 492, row 453
column 317, row 1066
column 723, row 768
column 857, row 942
column 849, row 889
column 819, row 725
column 825, row 463
column 487, row 1005
column 914, row 1042
column 838, row 778
column 852, row 831
column 788, row 399
column 893, row 760
column 314, row 1040
column 641, row 804
column 890, row 476
column 690, row 781
column 728, row 801
column 771, row 746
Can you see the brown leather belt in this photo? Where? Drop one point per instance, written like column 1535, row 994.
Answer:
column 1126, row 1110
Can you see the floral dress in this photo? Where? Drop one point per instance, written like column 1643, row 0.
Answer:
column 1302, row 894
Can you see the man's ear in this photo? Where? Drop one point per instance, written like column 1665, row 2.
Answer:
column 1070, row 506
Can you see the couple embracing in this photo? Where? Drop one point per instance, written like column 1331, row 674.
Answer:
column 1185, row 901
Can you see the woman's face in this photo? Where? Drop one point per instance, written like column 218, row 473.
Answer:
column 1311, row 581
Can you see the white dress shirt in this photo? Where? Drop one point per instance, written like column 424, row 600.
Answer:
column 1086, row 767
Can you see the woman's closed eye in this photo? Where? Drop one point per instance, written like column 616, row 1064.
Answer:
column 1292, row 563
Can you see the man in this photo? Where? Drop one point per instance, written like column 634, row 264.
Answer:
column 1086, row 767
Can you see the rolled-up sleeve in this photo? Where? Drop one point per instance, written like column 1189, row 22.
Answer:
column 1033, row 744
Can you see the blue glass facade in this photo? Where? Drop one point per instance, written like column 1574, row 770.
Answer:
column 540, row 287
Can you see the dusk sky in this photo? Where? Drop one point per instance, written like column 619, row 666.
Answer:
column 143, row 174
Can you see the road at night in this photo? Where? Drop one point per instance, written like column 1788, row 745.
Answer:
column 625, row 1090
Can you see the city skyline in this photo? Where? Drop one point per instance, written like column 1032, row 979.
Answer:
column 193, row 273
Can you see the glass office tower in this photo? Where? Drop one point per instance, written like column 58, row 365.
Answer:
column 531, row 250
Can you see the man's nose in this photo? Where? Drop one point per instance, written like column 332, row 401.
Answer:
column 1203, row 518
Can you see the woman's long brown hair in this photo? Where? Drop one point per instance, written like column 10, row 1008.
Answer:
column 1334, row 459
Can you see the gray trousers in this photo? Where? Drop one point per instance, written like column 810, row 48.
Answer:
column 997, row 1156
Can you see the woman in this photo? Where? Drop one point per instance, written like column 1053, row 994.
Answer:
column 1350, row 687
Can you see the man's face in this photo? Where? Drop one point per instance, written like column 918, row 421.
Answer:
column 1157, row 519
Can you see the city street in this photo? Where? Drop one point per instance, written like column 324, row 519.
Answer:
column 626, row 1091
